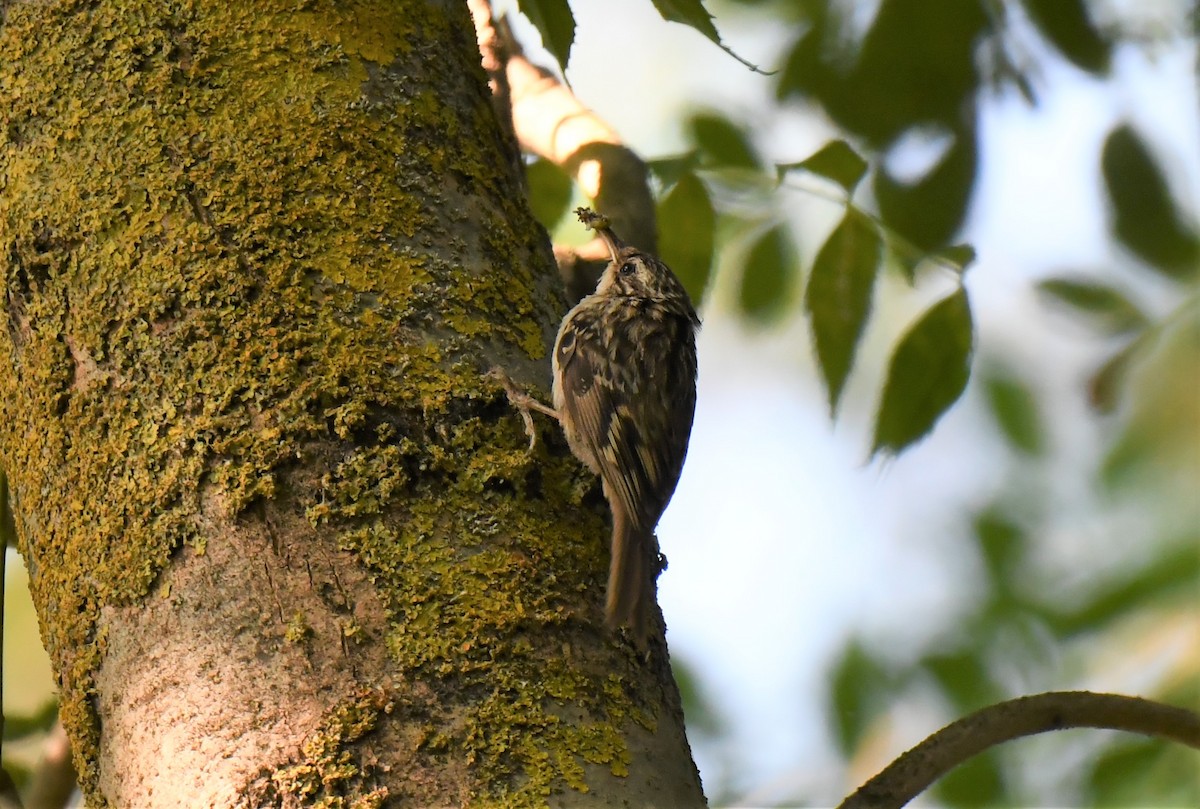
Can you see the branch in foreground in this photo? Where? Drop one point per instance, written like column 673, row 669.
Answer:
column 53, row 783
column 552, row 122
column 913, row 772
column 493, row 52
column 549, row 121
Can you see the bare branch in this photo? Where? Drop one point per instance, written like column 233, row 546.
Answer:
column 494, row 55
column 54, row 779
column 913, row 772
column 548, row 120
column 551, row 122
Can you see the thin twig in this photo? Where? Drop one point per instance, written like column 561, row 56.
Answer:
column 6, row 519
column 53, row 782
column 493, row 52
column 551, row 122
column 913, row 772
column 8, row 791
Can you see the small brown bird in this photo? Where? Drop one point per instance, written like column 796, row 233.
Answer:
column 625, row 395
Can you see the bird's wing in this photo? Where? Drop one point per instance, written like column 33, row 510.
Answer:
column 631, row 411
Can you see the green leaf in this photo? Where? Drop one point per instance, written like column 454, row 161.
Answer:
column 1144, row 216
column 1001, row 540
column 693, row 14
column 977, row 782
column 670, row 170
column 1067, row 25
column 957, row 257
column 703, row 715
column 1159, row 436
column 1016, row 411
column 1106, row 383
column 1106, row 307
column 556, row 24
column 723, row 141
column 1170, row 576
column 686, row 225
column 834, row 161
column 963, row 677
column 1144, row 772
column 18, row 726
column 930, row 210
column 927, row 374
column 766, row 278
column 549, row 192
column 838, row 298
column 860, row 684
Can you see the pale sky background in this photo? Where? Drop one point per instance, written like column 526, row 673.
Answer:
column 781, row 538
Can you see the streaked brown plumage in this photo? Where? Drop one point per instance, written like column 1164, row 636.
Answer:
column 625, row 394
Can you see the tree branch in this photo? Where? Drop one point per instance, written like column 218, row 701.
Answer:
column 53, row 781
column 552, row 123
column 493, row 52
column 913, row 772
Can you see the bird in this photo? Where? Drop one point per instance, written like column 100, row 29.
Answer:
column 624, row 393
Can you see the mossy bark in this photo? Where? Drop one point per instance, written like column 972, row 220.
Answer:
column 286, row 544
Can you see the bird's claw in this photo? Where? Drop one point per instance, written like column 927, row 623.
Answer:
column 522, row 402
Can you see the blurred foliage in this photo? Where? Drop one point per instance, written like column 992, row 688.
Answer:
column 550, row 191
column 978, row 782
column 765, row 290
column 927, row 374
column 835, row 161
column 20, row 726
column 686, row 241
column 1107, row 308
column 862, row 687
column 1016, row 410
column 902, row 73
column 838, row 298
column 1144, row 216
column 722, row 143
column 707, row 727
column 891, row 75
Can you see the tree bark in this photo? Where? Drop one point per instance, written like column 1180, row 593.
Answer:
column 286, row 544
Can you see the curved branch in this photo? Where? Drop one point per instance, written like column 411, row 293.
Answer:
column 53, row 781
column 913, row 772
column 549, row 121
column 494, row 56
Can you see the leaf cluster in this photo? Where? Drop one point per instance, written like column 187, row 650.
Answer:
column 921, row 71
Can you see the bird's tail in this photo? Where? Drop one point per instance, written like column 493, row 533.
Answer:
column 630, row 596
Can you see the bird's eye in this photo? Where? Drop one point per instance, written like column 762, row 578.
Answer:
column 628, row 268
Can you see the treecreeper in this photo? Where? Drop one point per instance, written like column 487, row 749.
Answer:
column 625, row 395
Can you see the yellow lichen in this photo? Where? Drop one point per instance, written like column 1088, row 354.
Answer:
column 238, row 245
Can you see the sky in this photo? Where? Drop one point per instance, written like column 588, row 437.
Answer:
column 781, row 537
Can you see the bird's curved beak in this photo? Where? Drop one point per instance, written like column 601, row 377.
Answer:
column 611, row 241
column 599, row 223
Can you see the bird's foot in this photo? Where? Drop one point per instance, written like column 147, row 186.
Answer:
column 522, row 402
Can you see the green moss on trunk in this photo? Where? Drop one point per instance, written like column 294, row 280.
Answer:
column 243, row 239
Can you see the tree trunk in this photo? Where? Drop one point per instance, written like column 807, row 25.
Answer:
column 286, row 544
